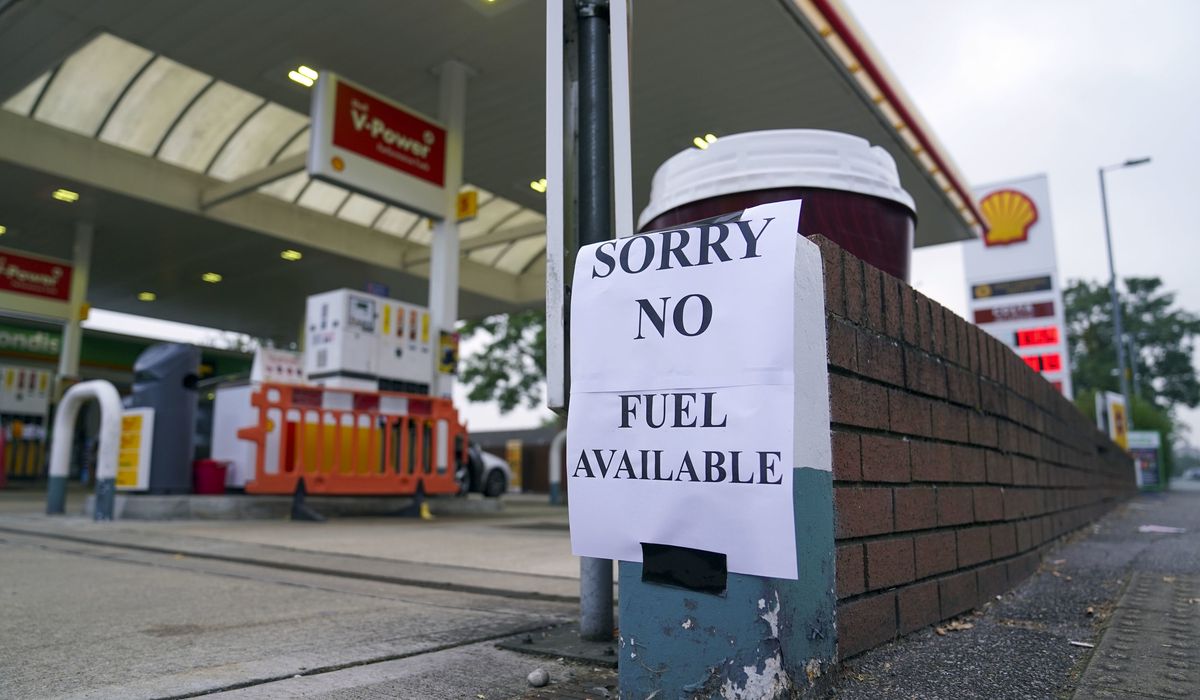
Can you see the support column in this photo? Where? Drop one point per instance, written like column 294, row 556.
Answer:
column 444, row 261
column 81, row 262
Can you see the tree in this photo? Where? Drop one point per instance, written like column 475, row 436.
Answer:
column 513, row 369
column 1160, row 341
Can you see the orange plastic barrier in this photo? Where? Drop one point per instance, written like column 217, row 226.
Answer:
column 354, row 442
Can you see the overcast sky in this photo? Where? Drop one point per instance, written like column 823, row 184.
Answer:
column 1062, row 87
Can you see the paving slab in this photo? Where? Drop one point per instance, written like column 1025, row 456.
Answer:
column 1151, row 646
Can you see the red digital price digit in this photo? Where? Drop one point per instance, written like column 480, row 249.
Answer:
column 1052, row 362
column 1046, row 335
column 1033, row 362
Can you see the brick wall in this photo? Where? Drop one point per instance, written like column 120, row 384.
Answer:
column 954, row 464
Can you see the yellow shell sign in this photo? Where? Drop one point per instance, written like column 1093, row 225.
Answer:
column 1008, row 214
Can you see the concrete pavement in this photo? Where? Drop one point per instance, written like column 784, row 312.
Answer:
column 359, row 608
column 125, row 609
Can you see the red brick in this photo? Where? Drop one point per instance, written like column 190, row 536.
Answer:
column 843, row 346
column 974, row 545
column 951, row 323
column 852, row 269
column 918, row 606
column 885, row 459
column 1023, row 470
column 962, row 387
column 964, row 345
column 969, row 464
column 954, row 505
column 851, row 572
column 931, row 461
column 1019, row 569
column 1004, row 540
column 862, row 511
column 889, row 563
column 831, row 259
column 924, row 373
column 958, row 593
column 935, row 553
column 999, row 468
column 908, row 306
column 847, row 456
column 915, row 508
column 1018, row 503
column 866, row 623
column 991, row 581
column 880, row 357
column 855, row 402
column 925, row 342
column 949, row 422
column 989, row 503
column 893, row 318
column 992, row 399
column 1024, row 535
column 873, row 297
column 937, row 316
column 982, row 429
column 909, row 414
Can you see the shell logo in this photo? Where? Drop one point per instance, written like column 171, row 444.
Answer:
column 1009, row 215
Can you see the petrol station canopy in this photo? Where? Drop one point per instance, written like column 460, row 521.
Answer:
column 167, row 116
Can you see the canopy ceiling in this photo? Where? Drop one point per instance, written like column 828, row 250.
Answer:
column 143, row 105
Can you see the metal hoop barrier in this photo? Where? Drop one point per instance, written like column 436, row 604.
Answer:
column 109, row 445
column 342, row 442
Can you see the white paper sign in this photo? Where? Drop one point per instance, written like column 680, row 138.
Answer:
column 698, row 382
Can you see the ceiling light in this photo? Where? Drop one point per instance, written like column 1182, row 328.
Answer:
column 3, row 230
column 710, row 138
column 291, row 255
column 700, row 143
column 211, row 277
column 65, row 195
column 147, row 296
column 307, row 72
column 538, row 186
column 298, row 77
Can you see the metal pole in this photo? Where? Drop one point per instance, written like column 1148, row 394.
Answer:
column 72, row 338
column 444, row 248
column 1118, row 331
column 595, row 225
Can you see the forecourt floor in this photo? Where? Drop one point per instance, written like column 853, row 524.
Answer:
column 178, row 609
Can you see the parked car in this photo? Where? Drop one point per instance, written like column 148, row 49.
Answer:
column 484, row 473
column 1192, row 474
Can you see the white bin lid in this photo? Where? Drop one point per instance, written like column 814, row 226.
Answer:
column 761, row 160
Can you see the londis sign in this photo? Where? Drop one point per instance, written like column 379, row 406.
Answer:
column 39, row 277
column 364, row 142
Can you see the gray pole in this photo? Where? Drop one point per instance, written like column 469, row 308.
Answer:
column 595, row 225
column 1118, row 331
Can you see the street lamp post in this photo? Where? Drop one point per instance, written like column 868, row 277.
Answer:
column 1118, row 331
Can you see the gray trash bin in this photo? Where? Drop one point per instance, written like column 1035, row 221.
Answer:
column 164, row 378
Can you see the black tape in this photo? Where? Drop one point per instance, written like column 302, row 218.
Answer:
column 694, row 569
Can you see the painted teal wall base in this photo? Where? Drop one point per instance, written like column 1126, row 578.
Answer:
column 106, row 495
column 764, row 638
column 56, row 495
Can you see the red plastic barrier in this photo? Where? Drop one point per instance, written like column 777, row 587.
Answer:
column 354, row 442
